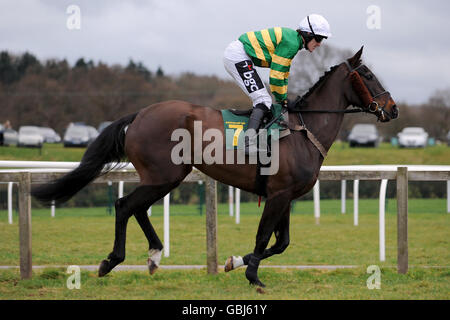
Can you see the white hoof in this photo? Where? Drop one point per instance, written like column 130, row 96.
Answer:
column 153, row 260
column 233, row 263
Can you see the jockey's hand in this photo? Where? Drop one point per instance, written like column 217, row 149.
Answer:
column 284, row 103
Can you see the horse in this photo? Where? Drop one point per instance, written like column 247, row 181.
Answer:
column 144, row 138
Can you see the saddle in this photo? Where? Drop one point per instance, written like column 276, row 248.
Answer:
column 235, row 123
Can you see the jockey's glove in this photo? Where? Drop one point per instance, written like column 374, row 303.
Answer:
column 284, row 103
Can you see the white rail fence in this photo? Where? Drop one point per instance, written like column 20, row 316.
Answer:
column 42, row 171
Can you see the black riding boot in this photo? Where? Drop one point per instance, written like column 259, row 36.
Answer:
column 254, row 122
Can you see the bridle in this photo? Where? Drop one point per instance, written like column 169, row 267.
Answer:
column 368, row 99
column 358, row 85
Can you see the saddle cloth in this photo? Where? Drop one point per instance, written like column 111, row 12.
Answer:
column 235, row 123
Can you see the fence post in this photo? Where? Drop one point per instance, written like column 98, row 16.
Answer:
column 25, row 225
column 237, row 199
column 448, row 196
column 355, row 202
column 52, row 209
column 402, row 220
column 10, row 208
column 230, row 200
column 211, row 225
column 343, row 194
column 166, row 225
column 316, row 196
column 382, row 224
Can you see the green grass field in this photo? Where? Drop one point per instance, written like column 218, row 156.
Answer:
column 85, row 237
column 339, row 154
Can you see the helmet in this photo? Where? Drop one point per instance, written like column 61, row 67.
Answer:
column 315, row 24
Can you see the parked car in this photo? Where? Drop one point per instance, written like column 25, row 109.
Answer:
column 76, row 136
column 10, row 137
column 30, row 136
column 2, row 128
column 103, row 125
column 50, row 136
column 93, row 133
column 412, row 137
column 363, row 134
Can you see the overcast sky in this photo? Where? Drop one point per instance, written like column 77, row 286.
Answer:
column 410, row 52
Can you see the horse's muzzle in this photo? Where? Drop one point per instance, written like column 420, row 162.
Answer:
column 394, row 112
column 385, row 116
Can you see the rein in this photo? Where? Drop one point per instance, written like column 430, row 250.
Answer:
column 358, row 86
column 363, row 92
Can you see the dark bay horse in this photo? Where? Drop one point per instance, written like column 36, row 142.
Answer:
column 145, row 139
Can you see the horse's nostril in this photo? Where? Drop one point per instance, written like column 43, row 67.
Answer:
column 395, row 111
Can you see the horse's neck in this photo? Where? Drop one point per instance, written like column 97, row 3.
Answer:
column 325, row 126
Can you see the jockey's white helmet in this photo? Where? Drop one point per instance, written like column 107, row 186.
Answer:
column 316, row 24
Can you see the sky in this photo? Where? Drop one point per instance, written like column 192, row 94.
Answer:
column 405, row 42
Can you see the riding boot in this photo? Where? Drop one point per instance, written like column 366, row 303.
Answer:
column 254, row 122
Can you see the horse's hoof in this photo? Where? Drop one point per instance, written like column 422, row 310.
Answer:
column 104, row 268
column 257, row 282
column 152, row 267
column 229, row 264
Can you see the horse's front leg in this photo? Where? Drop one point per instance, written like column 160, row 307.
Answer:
column 282, row 242
column 274, row 210
column 282, row 239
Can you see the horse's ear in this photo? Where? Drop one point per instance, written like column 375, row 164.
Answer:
column 356, row 59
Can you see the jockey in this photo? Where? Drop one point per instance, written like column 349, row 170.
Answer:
column 272, row 48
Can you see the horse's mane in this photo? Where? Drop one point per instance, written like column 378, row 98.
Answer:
column 320, row 81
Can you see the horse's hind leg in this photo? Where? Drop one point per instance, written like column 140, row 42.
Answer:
column 135, row 203
column 154, row 244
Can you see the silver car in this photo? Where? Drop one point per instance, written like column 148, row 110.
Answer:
column 30, row 136
column 93, row 133
column 364, row 135
column 76, row 136
column 10, row 137
column 50, row 136
column 415, row 137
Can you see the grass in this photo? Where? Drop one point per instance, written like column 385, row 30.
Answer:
column 339, row 154
column 85, row 237
column 49, row 152
column 197, row 285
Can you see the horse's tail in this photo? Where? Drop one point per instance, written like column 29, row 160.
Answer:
column 108, row 148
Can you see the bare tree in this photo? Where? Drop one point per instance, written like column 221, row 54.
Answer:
column 308, row 67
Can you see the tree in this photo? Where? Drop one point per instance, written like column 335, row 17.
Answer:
column 8, row 70
column 159, row 72
column 26, row 62
column 81, row 64
column 308, row 67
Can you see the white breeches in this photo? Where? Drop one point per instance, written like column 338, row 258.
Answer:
column 240, row 66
